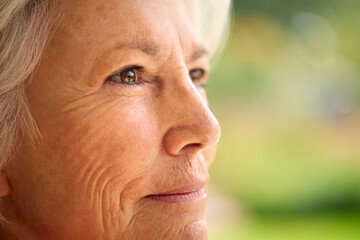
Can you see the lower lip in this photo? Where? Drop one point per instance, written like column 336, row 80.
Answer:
column 180, row 197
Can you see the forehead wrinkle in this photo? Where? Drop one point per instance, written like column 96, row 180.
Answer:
column 150, row 48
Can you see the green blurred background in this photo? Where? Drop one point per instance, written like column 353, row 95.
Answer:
column 286, row 91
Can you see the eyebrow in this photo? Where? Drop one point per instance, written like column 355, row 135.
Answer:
column 154, row 50
column 199, row 51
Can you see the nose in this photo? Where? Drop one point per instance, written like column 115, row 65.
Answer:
column 191, row 125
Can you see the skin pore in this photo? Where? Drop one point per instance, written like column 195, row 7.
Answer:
column 122, row 123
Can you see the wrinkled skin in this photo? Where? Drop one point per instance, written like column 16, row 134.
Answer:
column 106, row 146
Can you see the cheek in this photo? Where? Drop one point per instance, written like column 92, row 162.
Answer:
column 115, row 145
column 87, row 163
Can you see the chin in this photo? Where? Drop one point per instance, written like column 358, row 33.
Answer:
column 156, row 219
column 196, row 230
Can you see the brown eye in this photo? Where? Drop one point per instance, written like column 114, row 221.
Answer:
column 196, row 74
column 128, row 76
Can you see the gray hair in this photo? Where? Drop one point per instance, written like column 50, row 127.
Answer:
column 24, row 30
column 210, row 20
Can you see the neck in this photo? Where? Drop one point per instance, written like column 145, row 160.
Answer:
column 11, row 225
column 6, row 232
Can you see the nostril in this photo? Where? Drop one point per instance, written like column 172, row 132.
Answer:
column 192, row 147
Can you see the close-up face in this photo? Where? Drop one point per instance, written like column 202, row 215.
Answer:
column 126, row 134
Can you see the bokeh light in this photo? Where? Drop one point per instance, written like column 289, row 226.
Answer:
column 286, row 91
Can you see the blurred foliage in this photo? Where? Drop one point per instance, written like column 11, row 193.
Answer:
column 286, row 91
column 320, row 227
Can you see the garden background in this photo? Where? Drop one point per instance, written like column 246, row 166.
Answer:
column 286, row 91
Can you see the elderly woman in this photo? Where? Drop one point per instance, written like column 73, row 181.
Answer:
column 105, row 130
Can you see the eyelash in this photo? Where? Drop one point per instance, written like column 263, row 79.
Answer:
column 139, row 81
column 133, row 68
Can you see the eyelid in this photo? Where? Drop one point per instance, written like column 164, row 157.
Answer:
column 128, row 68
column 137, row 69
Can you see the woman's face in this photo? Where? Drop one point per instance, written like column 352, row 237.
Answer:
column 127, row 134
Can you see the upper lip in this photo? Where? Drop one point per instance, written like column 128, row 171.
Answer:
column 191, row 186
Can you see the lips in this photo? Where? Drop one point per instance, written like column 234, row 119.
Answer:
column 180, row 197
column 192, row 192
